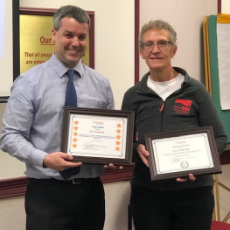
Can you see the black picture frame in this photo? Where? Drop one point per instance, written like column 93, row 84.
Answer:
column 181, row 153
column 97, row 133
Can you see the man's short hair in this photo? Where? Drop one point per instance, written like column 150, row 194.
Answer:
column 71, row 12
column 160, row 25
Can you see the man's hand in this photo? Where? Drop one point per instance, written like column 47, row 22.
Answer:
column 143, row 154
column 112, row 166
column 190, row 177
column 59, row 161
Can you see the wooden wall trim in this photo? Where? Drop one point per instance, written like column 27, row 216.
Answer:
column 13, row 187
column 136, row 38
column 225, row 157
column 17, row 186
column 219, row 6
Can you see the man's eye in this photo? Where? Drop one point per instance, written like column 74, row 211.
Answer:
column 68, row 35
column 148, row 44
column 162, row 43
column 82, row 38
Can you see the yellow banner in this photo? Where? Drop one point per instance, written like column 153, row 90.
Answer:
column 36, row 44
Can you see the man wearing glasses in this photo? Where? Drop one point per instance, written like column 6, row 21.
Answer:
column 168, row 99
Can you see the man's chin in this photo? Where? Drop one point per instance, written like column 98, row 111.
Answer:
column 71, row 63
column 156, row 66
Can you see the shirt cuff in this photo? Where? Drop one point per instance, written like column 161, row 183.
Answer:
column 37, row 157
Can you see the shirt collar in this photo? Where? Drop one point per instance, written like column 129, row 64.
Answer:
column 61, row 68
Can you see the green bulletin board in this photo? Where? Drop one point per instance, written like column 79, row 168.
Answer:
column 224, row 114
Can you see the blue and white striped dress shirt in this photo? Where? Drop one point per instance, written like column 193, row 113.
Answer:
column 33, row 116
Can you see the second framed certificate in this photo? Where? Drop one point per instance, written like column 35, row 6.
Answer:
column 177, row 154
column 98, row 136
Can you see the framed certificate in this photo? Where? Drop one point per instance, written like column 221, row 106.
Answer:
column 98, row 136
column 177, row 154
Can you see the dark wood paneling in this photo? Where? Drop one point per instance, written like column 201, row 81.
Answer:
column 17, row 186
column 136, row 38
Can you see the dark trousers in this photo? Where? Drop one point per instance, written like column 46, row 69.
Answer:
column 60, row 205
column 189, row 209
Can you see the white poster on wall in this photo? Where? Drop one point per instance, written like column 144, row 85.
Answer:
column 223, row 49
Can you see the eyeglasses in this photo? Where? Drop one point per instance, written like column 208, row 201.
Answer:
column 148, row 46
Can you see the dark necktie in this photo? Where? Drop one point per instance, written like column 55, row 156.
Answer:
column 71, row 94
column 71, row 100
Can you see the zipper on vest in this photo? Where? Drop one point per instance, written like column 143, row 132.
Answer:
column 162, row 115
column 162, row 107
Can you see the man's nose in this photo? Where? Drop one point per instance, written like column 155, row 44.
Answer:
column 155, row 48
column 75, row 41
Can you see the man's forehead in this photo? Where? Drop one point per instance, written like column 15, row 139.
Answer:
column 74, row 26
column 73, row 31
column 156, row 32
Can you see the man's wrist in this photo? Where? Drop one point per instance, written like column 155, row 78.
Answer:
column 43, row 165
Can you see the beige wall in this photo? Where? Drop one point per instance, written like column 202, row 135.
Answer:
column 225, row 6
column 12, row 214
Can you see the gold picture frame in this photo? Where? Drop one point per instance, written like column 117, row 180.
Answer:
column 36, row 44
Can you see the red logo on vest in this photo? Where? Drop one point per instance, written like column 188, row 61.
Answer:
column 182, row 106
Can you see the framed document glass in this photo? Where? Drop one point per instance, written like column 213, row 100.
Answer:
column 97, row 135
column 177, row 154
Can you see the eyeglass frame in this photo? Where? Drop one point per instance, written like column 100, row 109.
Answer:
column 143, row 45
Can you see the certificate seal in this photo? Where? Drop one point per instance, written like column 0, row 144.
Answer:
column 184, row 164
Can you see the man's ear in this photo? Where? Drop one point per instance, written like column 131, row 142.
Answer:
column 141, row 54
column 174, row 50
column 53, row 32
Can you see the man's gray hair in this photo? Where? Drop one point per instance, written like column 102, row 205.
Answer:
column 160, row 25
column 71, row 12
